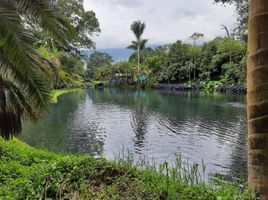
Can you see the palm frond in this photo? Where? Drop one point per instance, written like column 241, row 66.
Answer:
column 24, row 91
column 14, row 105
column 143, row 43
column 137, row 27
column 133, row 46
column 18, row 54
column 47, row 16
column 34, row 84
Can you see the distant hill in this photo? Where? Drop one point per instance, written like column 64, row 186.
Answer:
column 118, row 54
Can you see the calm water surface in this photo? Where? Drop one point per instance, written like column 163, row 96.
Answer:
column 152, row 124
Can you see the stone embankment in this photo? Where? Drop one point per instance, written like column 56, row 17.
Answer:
column 228, row 89
column 232, row 89
column 175, row 87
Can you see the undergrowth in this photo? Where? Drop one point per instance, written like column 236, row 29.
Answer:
column 29, row 173
column 57, row 92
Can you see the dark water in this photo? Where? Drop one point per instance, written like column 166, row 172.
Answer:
column 150, row 123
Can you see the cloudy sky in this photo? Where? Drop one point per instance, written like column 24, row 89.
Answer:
column 167, row 21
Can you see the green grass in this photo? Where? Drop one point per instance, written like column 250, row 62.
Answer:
column 57, row 92
column 29, row 173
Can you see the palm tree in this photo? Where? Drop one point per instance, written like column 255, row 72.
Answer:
column 137, row 27
column 24, row 93
column 195, row 51
column 257, row 98
column 134, row 46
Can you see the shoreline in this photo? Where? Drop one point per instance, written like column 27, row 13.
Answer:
column 55, row 93
column 225, row 89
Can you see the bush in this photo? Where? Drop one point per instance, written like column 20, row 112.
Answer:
column 210, row 85
column 28, row 173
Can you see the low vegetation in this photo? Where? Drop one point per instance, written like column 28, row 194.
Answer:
column 29, row 173
column 57, row 92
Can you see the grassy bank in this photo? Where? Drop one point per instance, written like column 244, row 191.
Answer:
column 29, row 173
column 57, row 92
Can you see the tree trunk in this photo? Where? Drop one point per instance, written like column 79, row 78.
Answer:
column 257, row 98
column 189, row 74
column 138, row 56
column 194, row 66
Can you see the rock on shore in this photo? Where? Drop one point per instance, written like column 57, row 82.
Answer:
column 228, row 89
column 175, row 87
column 232, row 89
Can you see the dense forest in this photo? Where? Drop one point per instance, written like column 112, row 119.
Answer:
column 222, row 60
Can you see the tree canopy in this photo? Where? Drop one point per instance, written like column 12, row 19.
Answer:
column 96, row 60
column 85, row 23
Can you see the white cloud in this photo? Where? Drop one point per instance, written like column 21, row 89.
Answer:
column 167, row 21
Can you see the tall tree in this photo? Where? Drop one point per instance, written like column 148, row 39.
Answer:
column 195, row 37
column 195, row 52
column 175, row 68
column 96, row 60
column 23, row 90
column 84, row 22
column 137, row 27
column 257, row 98
column 242, row 12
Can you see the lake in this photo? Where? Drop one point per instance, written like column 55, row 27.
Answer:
column 149, row 124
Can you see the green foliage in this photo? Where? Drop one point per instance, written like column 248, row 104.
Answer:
column 232, row 48
column 234, row 73
column 67, row 80
column 196, row 36
column 126, row 73
column 43, row 51
column 97, row 60
column 135, row 45
column 57, row 92
column 210, row 85
column 144, row 52
column 114, row 72
column 28, row 173
column 220, row 59
column 64, row 70
column 23, row 89
column 71, row 64
column 137, row 27
column 155, row 59
column 84, row 23
column 176, row 67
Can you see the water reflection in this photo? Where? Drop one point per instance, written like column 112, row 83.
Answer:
column 50, row 132
column 140, row 120
column 149, row 123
